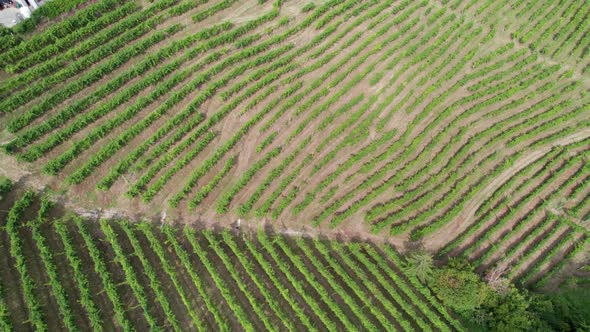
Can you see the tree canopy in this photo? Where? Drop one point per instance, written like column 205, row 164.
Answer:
column 485, row 305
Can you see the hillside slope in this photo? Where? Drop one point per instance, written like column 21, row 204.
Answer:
column 62, row 272
column 460, row 126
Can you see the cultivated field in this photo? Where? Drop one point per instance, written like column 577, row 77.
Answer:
column 64, row 273
column 464, row 125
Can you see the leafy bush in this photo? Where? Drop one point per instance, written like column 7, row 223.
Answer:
column 50, row 10
column 309, row 7
column 8, row 38
column 567, row 309
column 5, row 185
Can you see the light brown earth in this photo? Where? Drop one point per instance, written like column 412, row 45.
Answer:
column 93, row 203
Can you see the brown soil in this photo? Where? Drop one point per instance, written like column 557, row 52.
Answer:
column 85, row 199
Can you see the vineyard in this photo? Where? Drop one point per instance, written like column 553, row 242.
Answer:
column 461, row 126
column 136, row 276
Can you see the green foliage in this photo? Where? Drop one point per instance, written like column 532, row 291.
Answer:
column 28, row 285
column 83, row 52
column 371, row 284
column 91, row 35
column 567, row 309
column 130, row 275
column 271, row 274
column 49, row 11
column 53, row 9
column 308, row 7
column 284, row 21
column 508, row 308
column 185, row 259
column 326, row 282
column 150, row 271
column 392, row 255
column 249, row 266
column 100, row 267
column 206, row 189
column 470, row 108
column 461, row 290
column 348, row 279
column 247, row 41
column 344, row 294
column 267, row 141
column 5, row 322
column 577, row 248
column 215, row 244
column 122, row 55
column 8, row 39
column 152, row 60
column 243, row 318
column 286, row 266
column 419, row 265
column 5, row 185
column 508, row 312
column 202, row 15
column 266, row 206
column 275, row 173
column 55, row 280
column 158, row 249
column 80, row 277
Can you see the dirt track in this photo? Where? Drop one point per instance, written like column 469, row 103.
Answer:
column 466, row 217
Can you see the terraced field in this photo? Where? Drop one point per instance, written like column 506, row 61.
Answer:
column 61, row 272
column 464, row 125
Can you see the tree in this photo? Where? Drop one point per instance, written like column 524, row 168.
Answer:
column 490, row 303
column 496, row 280
column 510, row 311
column 8, row 38
column 419, row 265
column 568, row 307
column 461, row 290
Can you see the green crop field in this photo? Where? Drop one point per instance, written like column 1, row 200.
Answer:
column 61, row 272
column 458, row 127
